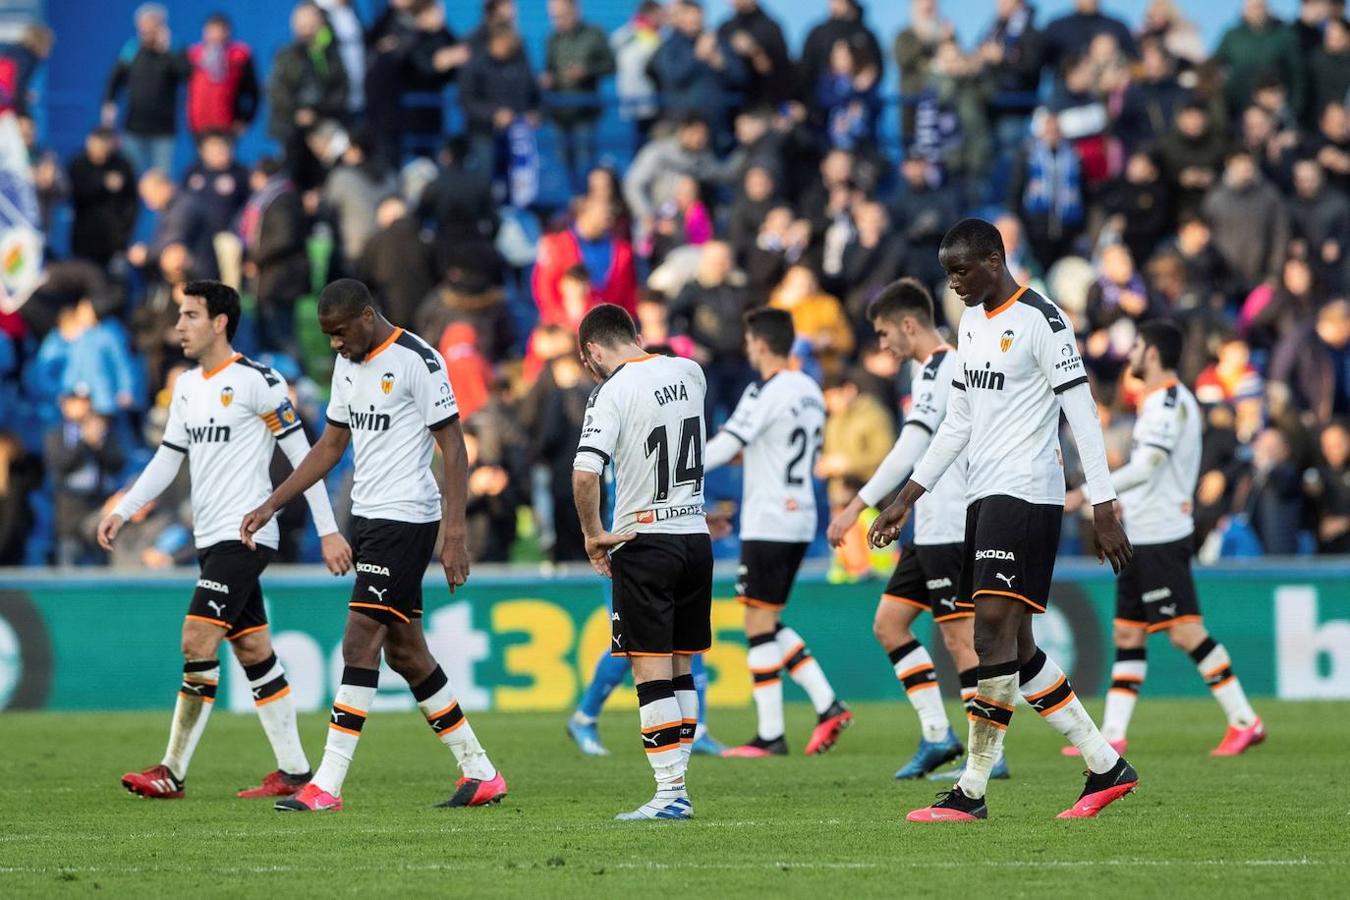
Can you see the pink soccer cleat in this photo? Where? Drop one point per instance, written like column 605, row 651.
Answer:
column 1103, row 790
column 1118, row 746
column 827, row 731
column 310, row 798
column 1237, row 740
column 758, row 748
column 476, row 792
column 154, row 783
column 951, row 806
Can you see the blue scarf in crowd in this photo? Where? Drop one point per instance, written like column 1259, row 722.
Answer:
column 1054, row 185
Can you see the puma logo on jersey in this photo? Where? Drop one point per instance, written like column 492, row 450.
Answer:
column 670, row 393
column 210, row 585
column 649, row 739
column 977, row 706
column 369, row 421
column 378, row 592
column 948, row 602
column 1168, row 610
column 985, row 379
column 1006, row 579
column 934, row 583
column 995, row 554
column 210, row 433
column 617, row 639
column 372, row 569
column 1156, row 595
column 216, row 606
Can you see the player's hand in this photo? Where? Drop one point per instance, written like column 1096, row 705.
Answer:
column 843, row 521
column 455, row 561
column 886, row 529
column 719, row 525
column 1073, row 501
column 254, row 521
column 1112, row 544
column 337, row 553
column 108, row 527
column 598, row 547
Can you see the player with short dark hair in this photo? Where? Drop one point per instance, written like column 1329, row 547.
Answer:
column 1020, row 368
column 226, row 417
column 1155, row 591
column 928, row 575
column 392, row 401
column 777, row 427
column 645, row 419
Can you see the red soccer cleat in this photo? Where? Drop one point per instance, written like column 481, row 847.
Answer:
column 310, row 798
column 154, row 783
column 476, row 792
column 1237, row 740
column 276, row 784
column 1103, row 790
column 1118, row 746
column 827, row 732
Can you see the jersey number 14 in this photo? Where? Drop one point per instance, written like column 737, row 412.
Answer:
column 688, row 459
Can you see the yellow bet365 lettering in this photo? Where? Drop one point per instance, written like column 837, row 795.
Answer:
column 542, row 658
column 728, row 684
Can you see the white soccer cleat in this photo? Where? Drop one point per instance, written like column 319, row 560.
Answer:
column 667, row 804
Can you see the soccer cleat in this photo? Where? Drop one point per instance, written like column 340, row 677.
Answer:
column 1237, row 739
column 833, row 721
column 930, row 755
column 952, row 806
column 587, row 738
column 707, row 745
column 276, row 784
column 667, row 804
column 1072, row 751
column 758, row 749
column 154, row 783
column 310, row 798
column 1103, row 790
column 1000, row 771
column 476, row 792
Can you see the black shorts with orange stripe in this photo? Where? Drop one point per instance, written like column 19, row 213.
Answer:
column 1010, row 550
column 391, row 559
column 229, row 593
column 1155, row 590
column 928, row 577
column 767, row 572
column 662, row 595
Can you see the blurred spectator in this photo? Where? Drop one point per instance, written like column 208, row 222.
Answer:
column 19, row 62
column 83, row 459
column 1331, row 144
column 469, row 373
column 1116, row 303
column 1178, row 36
column 1315, row 362
column 634, row 44
column 1139, row 206
column 695, row 71
column 1331, row 494
column 923, row 210
column 758, row 194
column 823, row 330
column 859, row 432
column 847, row 101
column 469, row 292
column 591, row 243
column 1329, row 68
column 780, row 243
column 681, row 221
column 1257, row 45
column 496, row 14
column 651, row 179
column 182, row 218
column 915, row 46
column 222, row 87
column 1047, row 190
column 1010, row 50
column 1232, row 380
column 1192, row 155
column 1271, row 149
column 1272, row 310
column 566, row 393
column 150, row 72
column 1320, row 216
column 1069, row 36
column 754, row 36
column 49, row 178
column 1270, row 494
column 845, row 21
column 307, row 83
column 1154, row 95
column 496, row 89
column 459, row 202
column 949, row 117
column 352, row 192
column 103, row 199
column 396, row 263
column 1251, row 224
column 493, row 495
column 876, row 256
column 273, row 229
column 348, row 33
column 576, row 58
column 709, row 310
column 217, row 180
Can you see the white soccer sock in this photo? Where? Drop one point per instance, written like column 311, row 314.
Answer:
column 196, row 696
column 686, row 695
column 1046, row 689
column 1217, row 669
column 276, row 712
column 914, row 667
column 350, row 707
column 990, row 714
column 438, row 704
column 1127, row 676
column 766, row 671
column 804, row 669
column 661, row 719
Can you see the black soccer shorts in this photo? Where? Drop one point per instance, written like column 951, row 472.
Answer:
column 768, row 569
column 928, row 577
column 1010, row 550
column 1155, row 590
column 662, row 595
column 391, row 560
column 228, row 592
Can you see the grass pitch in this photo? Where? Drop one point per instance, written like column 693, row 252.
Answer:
column 1274, row 821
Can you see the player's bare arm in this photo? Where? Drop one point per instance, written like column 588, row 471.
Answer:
column 586, row 495
column 454, row 490
column 320, row 460
column 887, row 527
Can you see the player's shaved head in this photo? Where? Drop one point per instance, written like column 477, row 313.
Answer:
column 773, row 327
column 900, row 299
column 344, row 298
column 975, row 238
column 976, row 263
column 220, row 300
column 347, row 315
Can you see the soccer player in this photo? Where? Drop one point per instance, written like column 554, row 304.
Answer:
column 1155, row 591
column 392, row 401
column 929, row 571
column 645, row 419
column 777, row 426
column 1019, row 369
column 227, row 416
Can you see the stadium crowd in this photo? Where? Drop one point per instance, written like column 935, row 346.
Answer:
column 1132, row 172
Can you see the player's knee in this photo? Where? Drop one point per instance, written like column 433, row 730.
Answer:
column 1187, row 636
column 955, row 641
column 889, row 633
column 1129, row 637
column 199, row 647
column 995, row 639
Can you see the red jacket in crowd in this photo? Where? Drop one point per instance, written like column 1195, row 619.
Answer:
column 558, row 253
column 222, row 90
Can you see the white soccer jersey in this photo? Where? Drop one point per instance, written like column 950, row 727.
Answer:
column 781, row 425
column 940, row 514
column 227, row 421
column 1015, row 360
column 1159, row 510
column 392, row 401
column 646, row 420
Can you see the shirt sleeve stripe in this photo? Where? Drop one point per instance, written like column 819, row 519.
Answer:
column 289, row 431
column 1167, row 450
column 173, row 446
column 743, row 441
column 917, row 424
column 596, row 450
column 448, row 420
column 336, row 424
column 1082, row 379
column 957, row 384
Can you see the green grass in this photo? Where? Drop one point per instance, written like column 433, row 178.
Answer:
column 1274, row 821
